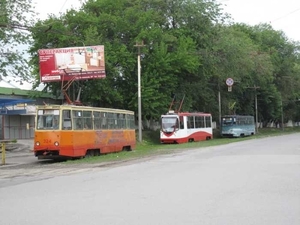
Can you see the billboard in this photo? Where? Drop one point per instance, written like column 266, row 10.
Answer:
column 62, row 64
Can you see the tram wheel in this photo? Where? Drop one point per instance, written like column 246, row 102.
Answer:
column 89, row 153
column 126, row 148
column 96, row 152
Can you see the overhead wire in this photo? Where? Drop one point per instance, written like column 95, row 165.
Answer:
column 276, row 19
column 281, row 17
column 63, row 6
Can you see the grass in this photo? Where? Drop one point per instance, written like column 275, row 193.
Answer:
column 151, row 146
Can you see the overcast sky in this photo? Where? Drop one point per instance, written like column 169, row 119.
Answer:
column 283, row 15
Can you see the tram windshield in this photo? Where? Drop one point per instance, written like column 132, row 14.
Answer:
column 48, row 119
column 227, row 121
column 169, row 124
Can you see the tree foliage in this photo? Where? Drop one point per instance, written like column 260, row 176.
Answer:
column 190, row 50
column 16, row 18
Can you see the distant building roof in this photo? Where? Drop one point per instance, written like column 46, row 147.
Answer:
column 25, row 93
column 13, row 100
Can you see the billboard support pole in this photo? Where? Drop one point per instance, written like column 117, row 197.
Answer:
column 65, row 88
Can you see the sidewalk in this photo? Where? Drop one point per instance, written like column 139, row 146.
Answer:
column 23, row 147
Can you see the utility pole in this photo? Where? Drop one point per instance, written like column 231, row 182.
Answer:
column 139, row 46
column 220, row 109
column 256, row 110
column 282, row 123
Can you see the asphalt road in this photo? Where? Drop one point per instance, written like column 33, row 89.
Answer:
column 245, row 183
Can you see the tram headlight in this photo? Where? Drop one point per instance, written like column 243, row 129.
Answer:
column 56, row 143
column 37, row 143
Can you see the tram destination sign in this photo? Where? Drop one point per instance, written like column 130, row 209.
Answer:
column 62, row 64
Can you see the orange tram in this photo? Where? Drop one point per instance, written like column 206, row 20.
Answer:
column 70, row 131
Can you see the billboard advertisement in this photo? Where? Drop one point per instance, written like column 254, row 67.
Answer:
column 62, row 64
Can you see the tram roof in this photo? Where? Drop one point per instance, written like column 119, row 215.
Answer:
column 69, row 106
column 237, row 116
column 188, row 114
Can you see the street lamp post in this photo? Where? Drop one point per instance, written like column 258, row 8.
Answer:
column 139, row 46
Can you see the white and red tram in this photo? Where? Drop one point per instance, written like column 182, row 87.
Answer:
column 185, row 127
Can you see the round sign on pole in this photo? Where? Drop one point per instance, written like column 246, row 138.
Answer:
column 229, row 81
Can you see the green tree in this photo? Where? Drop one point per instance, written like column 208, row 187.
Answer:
column 16, row 18
column 283, row 57
column 190, row 50
column 168, row 58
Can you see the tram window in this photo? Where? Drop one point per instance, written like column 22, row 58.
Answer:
column 208, row 121
column 104, row 120
column 110, row 120
column 199, row 122
column 87, row 120
column 67, row 122
column 40, row 123
column 53, row 122
column 190, row 122
column 181, row 124
column 121, row 121
column 66, row 114
column 115, row 121
column 48, row 122
column 127, row 121
column 130, row 124
column 234, row 121
column 77, row 118
column 97, row 120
